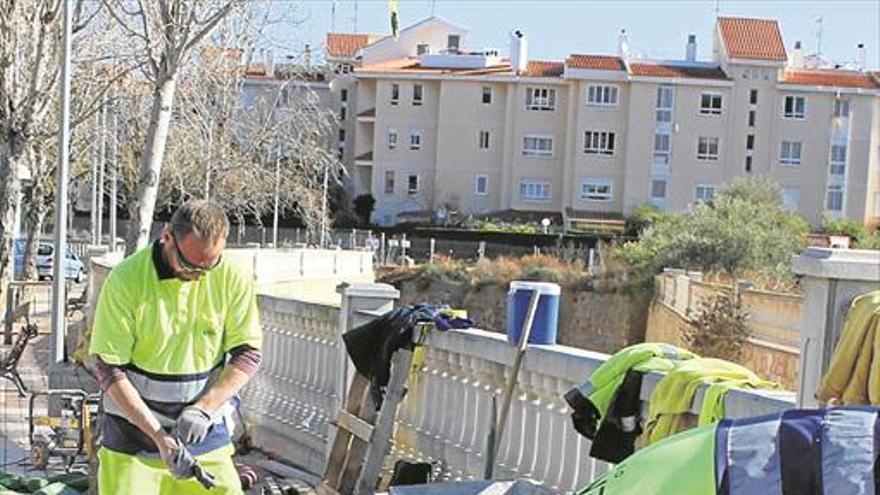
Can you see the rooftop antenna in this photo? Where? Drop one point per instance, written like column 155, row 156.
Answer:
column 433, row 7
column 333, row 16
column 355, row 16
column 717, row 8
column 820, row 23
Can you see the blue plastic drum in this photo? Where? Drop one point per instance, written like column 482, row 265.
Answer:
column 546, row 319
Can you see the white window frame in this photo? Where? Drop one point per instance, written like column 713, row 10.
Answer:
column 485, row 179
column 483, row 139
column 836, row 189
column 395, row 94
column 787, row 155
column 708, row 193
column 794, row 114
column 597, row 190
column 602, row 95
column 662, row 156
column 535, row 190
column 417, row 102
column 711, row 109
column 660, row 104
column 389, row 179
column 409, row 189
column 422, row 48
column 707, row 155
column 538, row 151
column 836, row 166
column 540, row 98
column 392, row 139
column 656, row 180
column 600, row 142
column 415, row 140
column 842, row 108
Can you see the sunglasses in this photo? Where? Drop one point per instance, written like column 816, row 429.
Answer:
column 188, row 266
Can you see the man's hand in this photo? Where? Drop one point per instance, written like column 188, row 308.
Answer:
column 174, row 453
column 193, row 424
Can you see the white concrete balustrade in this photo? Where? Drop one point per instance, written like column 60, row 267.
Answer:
column 446, row 415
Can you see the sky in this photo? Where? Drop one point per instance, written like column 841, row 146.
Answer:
column 555, row 29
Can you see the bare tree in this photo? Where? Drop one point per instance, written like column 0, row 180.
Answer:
column 166, row 33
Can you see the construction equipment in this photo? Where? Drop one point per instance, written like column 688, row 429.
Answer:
column 9, row 362
column 71, row 432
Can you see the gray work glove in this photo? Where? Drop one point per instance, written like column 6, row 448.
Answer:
column 193, row 424
column 180, row 461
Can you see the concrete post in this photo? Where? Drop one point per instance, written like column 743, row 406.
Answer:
column 431, row 251
column 382, row 249
column 831, row 279
column 361, row 303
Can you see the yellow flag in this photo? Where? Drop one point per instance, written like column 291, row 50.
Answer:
column 395, row 26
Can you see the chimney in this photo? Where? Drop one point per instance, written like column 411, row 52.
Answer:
column 270, row 62
column 691, row 49
column 622, row 44
column 860, row 56
column 519, row 59
column 307, row 57
column 797, row 57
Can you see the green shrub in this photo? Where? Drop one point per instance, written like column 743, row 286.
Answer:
column 718, row 329
column 855, row 230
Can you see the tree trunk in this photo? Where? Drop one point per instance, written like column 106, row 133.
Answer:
column 36, row 215
column 151, row 164
column 11, row 159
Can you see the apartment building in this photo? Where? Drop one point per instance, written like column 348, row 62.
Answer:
column 438, row 127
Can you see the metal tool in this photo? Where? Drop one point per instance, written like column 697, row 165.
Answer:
column 206, row 479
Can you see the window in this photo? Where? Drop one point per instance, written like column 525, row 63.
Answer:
column 790, row 154
column 481, row 184
column 341, row 135
column 342, row 113
column 389, row 182
column 753, row 97
column 412, row 184
column 791, row 196
column 540, row 99
column 750, row 142
column 749, row 163
column 707, row 148
column 665, row 97
column 340, row 152
column 605, row 96
column 343, row 95
column 834, row 198
column 392, row 139
column 484, row 140
column 795, row 107
column 598, row 143
column 417, row 94
column 537, row 146
column 534, row 190
column 841, row 108
column 395, row 94
column 421, row 49
column 752, row 118
column 452, row 42
column 710, row 104
column 487, row 95
column 658, row 189
column 662, row 147
column 596, row 190
column 415, row 140
column 838, row 159
column 704, row 193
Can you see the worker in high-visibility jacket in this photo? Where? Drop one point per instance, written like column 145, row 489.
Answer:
column 175, row 337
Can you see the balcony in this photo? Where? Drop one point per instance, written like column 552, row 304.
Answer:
column 364, row 159
column 367, row 116
column 458, row 59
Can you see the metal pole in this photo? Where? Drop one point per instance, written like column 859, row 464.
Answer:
column 210, row 151
column 93, row 208
column 382, row 248
column 324, row 210
column 102, row 160
column 114, row 167
column 277, row 192
column 59, row 296
column 431, row 251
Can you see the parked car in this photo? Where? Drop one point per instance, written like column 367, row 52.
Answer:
column 74, row 269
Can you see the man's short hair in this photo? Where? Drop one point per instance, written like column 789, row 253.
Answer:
column 203, row 218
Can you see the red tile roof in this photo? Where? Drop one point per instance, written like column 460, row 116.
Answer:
column 753, row 39
column 671, row 70
column 345, row 44
column 834, row 78
column 596, row 62
column 542, row 68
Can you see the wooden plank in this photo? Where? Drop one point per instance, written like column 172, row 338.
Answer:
column 358, row 449
column 358, row 427
column 342, row 439
column 381, row 443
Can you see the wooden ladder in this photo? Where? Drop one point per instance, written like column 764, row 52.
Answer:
column 363, row 435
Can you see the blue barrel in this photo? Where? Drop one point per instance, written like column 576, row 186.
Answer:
column 546, row 319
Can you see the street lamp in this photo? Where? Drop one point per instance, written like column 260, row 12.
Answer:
column 546, row 224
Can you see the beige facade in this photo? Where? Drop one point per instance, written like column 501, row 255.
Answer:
column 603, row 135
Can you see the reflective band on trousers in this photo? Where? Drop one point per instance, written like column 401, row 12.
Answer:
column 848, row 453
column 754, row 463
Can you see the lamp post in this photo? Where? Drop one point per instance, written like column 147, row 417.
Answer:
column 545, row 223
